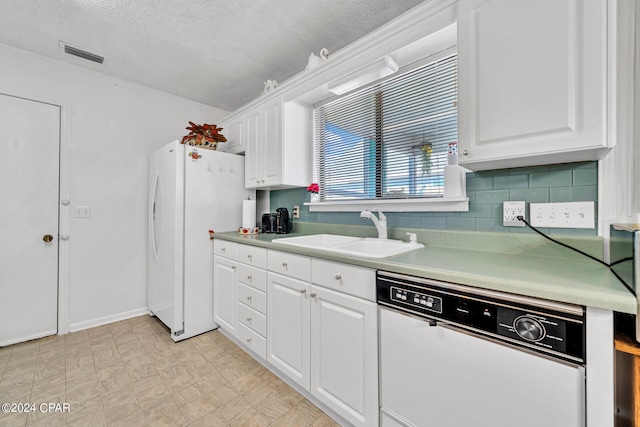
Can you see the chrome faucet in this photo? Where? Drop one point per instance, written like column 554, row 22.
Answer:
column 381, row 223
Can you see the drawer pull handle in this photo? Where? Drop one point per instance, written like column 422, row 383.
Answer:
column 284, row 264
column 338, row 277
column 249, row 319
column 303, row 291
column 249, row 298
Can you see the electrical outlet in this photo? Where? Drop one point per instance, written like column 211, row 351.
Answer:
column 296, row 212
column 510, row 213
column 563, row 215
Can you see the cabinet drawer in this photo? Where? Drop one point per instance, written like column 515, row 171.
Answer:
column 288, row 264
column 225, row 249
column 252, row 276
column 349, row 279
column 252, row 319
column 254, row 341
column 252, row 255
column 252, row 297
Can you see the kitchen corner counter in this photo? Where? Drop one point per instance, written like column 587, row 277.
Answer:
column 574, row 281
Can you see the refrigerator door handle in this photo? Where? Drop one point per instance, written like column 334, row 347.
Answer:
column 152, row 216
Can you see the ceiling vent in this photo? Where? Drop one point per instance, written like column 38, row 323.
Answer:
column 71, row 50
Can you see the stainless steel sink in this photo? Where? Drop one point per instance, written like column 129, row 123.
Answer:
column 367, row 247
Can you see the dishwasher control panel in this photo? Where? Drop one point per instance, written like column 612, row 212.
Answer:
column 417, row 299
column 540, row 325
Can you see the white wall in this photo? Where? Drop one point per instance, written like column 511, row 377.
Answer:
column 114, row 125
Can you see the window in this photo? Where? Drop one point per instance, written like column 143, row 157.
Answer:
column 389, row 141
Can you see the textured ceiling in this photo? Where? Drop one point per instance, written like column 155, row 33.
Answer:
column 218, row 52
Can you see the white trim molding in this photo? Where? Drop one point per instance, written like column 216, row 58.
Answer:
column 448, row 204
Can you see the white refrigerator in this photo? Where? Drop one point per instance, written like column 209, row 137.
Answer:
column 192, row 190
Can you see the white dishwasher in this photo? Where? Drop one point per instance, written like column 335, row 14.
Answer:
column 454, row 356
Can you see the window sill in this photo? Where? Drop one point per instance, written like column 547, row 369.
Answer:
column 450, row 204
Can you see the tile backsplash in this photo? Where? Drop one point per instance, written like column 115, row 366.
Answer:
column 571, row 182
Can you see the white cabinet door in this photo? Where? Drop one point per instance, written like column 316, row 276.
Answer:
column 288, row 327
column 225, row 293
column 272, row 141
column 253, row 148
column 233, row 130
column 532, row 82
column 263, row 143
column 344, row 355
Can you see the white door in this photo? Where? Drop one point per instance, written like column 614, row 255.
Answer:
column 532, row 82
column 288, row 327
column 30, row 145
column 225, row 293
column 272, row 142
column 344, row 350
column 253, row 149
column 165, row 272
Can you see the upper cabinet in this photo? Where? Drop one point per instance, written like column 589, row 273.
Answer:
column 233, row 130
column 532, row 82
column 276, row 139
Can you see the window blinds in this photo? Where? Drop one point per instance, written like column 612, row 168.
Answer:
column 389, row 140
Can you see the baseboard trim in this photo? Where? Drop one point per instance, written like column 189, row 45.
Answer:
column 87, row 324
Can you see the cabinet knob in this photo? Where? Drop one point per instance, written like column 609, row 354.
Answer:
column 312, row 295
column 223, row 249
column 248, row 340
column 284, row 264
column 249, row 278
column 249, row 256
column 338, row 276
column 249, row 319
column 465, row 152
column 303, row 291
column 249, row 298
column 233, row 268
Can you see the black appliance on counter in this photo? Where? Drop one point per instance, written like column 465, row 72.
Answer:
column 269, row 223
column 283, row 221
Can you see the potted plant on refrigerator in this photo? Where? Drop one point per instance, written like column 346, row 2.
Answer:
column 205, row 136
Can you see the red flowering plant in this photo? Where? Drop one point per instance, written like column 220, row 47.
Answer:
column 205, row 136
column 313, row 188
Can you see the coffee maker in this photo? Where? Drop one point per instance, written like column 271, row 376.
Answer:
column 283, row 224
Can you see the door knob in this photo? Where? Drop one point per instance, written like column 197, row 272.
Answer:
column 47, row 238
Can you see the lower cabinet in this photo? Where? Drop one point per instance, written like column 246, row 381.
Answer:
column 344, row 355
column 315, row 321
column 326, row 341
column 225, row 291
column 288, row 327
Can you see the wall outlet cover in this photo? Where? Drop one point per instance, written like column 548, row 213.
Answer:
column 510, row 213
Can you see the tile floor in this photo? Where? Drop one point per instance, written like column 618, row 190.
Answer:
column 131, row 373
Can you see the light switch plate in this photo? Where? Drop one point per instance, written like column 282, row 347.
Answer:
column 82, row 212
column 510, row 213
column 563, row 215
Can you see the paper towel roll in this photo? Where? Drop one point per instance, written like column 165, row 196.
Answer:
column 248, row 214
